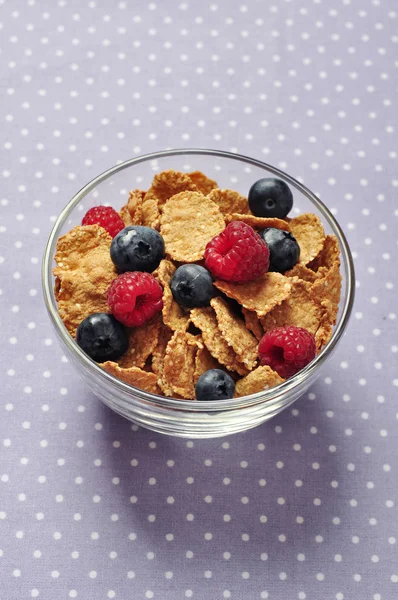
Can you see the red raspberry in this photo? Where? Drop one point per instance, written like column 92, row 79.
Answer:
column 237, row 254
column 106, row 217
column 134, row 298
column 287, row 350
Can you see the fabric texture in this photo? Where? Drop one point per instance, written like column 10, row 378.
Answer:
column 302, row 507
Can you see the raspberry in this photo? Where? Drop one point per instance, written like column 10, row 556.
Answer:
column 287, row 350
column 134, row 298
column 237, row 254
column 106, row 217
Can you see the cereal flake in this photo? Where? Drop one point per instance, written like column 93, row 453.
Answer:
column 131, row 212
column 235, row 333
column 167, row 184
column 258, row 380
column 203, row 183
column 189, row 221
column 310, row 235
column 179, row 364
column 205, row 320
column 326, row 292
column 134, row 376
column 150, row 213
column 204, row 361
column 173, row 314
column 299, row 309
column 260, row 295
column 302, row 272
column 323, row 333
column 158, row 354
column 83, row 274
column 328, row 256
column 142, row 342
column 125, row 216
column 258, row 222
column 134, row 205
column 229, row 201
column 253, row 323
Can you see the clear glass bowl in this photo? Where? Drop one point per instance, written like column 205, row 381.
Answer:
column 181, row 417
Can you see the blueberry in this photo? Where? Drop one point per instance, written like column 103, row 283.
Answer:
column 270, row 197
column 215, row 384
column 192, row 286
column 137, row 248
column 102, row 337
column 284, row 250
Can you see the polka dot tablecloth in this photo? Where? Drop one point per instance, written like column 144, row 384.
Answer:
column 303, row 507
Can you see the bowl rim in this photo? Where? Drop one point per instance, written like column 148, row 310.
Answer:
column 160, row 402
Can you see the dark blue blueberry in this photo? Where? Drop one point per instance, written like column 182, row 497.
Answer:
column 102, row 337
column 284, row 250
column 192, row 286
column 137, row 248
column 270, row 197
column 215, row 384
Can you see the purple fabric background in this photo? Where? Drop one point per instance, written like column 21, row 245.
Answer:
column 303, row 507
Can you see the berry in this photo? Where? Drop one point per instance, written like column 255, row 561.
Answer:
column 270, row 197
column 215, row 384
column 102, row 337
column 137, row 248
column 134, row 298
column 237, row 254
column 287, row 350
column 192, row 286
column 284, row 250
column 106, row 217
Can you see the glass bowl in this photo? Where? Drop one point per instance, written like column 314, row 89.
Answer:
column 185, row 418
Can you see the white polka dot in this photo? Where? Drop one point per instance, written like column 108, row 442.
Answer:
column 245, row 575
column 301, row 557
